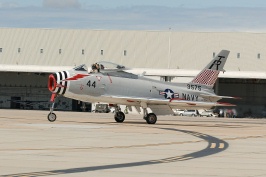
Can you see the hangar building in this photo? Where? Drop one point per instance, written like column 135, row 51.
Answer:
column 27, row 56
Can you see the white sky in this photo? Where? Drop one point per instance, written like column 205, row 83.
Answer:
column 184, row 15
column 167, row 3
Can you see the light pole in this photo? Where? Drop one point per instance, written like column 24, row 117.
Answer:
column 169, row 47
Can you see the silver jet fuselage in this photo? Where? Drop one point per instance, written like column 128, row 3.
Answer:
column 111, row 86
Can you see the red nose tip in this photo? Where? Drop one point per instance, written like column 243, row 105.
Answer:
column 51, row 83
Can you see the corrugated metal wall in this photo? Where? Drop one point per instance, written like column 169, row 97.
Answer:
column 148, row 49
column 151, row 49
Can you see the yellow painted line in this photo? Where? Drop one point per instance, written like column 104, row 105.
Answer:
column 22, row 175
column 156, row 161
column 185, row 158
column 48, row 173
column 174, row 158
column 197, row 134
column 171, row 159
column 213, row 145
column 30, row 174
column 162, row 161
column 25, row 175
column 221, row 146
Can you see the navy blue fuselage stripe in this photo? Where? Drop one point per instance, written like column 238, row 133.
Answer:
column 65, row 86
column 60, row 78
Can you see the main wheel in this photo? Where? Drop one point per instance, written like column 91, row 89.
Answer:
column 119, row 116
column 51, row 117
column 151, row 118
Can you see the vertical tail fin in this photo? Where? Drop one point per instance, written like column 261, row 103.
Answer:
column 210, row 73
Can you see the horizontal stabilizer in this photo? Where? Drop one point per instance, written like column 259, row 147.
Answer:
column 186, row 104
column 214, row 98
column 224, row 104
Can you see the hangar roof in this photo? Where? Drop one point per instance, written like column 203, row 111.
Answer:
column 136, row 49
column 148, row 71
column 193, row 73
column 185, row 53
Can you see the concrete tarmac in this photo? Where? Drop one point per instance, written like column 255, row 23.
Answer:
column 91, row 144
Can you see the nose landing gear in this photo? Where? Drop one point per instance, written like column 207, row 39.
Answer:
column 52, row 116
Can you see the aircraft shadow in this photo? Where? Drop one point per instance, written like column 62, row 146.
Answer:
column 215, row 145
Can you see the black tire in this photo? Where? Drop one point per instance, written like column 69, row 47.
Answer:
column 151, row 118
column 181, row 114
column 51, row 117
column 119, row 117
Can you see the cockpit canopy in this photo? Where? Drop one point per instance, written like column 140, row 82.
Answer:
column 102, row 65
column 82, row 67
column 110, row 66
column 107, row 68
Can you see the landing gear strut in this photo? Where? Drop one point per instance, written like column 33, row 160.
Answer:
column 51, row 116
column 119, row 115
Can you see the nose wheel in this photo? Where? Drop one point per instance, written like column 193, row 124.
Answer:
column 51, row 117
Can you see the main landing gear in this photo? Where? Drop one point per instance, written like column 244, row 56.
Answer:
column 119, row 116
column 150, row 118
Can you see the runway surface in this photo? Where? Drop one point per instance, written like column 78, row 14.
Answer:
column 91, row 144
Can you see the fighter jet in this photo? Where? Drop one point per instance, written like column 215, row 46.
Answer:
column 111, row 83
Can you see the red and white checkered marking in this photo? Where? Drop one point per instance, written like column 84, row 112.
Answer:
column 206, row 77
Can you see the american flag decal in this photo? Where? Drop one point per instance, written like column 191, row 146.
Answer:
column 168, row 94
column 206, row 77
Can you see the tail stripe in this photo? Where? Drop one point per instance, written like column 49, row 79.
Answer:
column 206, row 77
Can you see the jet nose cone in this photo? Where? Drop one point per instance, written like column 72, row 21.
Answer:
column 52, row 82
column 57, row 82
